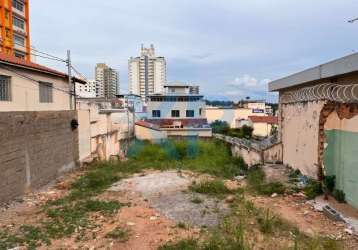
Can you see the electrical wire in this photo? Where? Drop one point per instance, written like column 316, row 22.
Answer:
column 34, row 80
column 47, row 55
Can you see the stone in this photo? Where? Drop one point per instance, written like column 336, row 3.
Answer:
column 348, row 231
column 153, row 218
column 274, row 195
column 130, row 223
column 230, row 199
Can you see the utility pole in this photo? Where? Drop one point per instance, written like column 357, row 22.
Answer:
column 69, row 67
column 353, row 20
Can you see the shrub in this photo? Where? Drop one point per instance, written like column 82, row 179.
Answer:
column 220, row 127
column 189, row 244
column 313, row 189
column 271, row 188
column 339, row 195
column 214, row 187
column 330, row 182
column 119, row 234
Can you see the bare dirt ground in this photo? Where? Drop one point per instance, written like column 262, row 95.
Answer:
column 157, row 203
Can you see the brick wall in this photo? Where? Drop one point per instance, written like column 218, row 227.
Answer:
column 34, row 148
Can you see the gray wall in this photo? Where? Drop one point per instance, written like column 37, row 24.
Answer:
column 35, row 147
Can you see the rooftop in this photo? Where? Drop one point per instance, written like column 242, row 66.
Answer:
column 264, row 119
column 11, row 60
column 341, row 66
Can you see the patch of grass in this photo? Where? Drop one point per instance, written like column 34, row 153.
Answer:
column 339, row 195
column 119, row 234
column 182, row 225
column 267, row 222
column 188, row 244
column 256, row 180
column 213, row 187
column 256, row 176
column 313, row 189
column 196, row 200
column 271, row 188
column 304, row 242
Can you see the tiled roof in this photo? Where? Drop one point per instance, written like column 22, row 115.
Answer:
column 21, row 63
column 264, row 119
column 147, row 125
column 185, row 122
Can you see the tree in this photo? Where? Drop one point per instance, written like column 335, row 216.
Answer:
column 220, row 127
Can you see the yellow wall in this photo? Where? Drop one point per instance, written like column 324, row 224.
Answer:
column 25, row 92
column 143, row 133
column 262, row 129
column 229, row 115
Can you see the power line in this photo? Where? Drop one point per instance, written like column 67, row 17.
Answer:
column 33, row 80
column 47, row 55
column 353, row 20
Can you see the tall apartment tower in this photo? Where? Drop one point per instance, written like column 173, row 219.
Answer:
column 107, row 81
column 15, row 28
column 147, row 73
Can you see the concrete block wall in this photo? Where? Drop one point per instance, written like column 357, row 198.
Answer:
column 35, row 147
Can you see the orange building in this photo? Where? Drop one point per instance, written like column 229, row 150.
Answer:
column 15, row 30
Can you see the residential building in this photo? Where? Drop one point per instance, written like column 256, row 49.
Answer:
column 15, row 28
column 263, row 125
column 105, row 129
column 178, row 112
column 318, row 122
column 27, row 86
column 87, row 90
column 233, row 116
column 147, row 73
column 107, row 81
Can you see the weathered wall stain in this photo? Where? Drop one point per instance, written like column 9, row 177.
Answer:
column 34, row 148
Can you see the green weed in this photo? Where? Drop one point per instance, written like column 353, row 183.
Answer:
column 214, row 187
column 119, row 234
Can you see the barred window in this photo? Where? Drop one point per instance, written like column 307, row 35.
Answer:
column 5, row 88
column 175, row 113
column 190, row 113
column 45, row 92
column 18, row 5
column 18, row 22
column 156, row 113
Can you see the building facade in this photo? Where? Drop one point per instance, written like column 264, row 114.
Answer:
column 147, row 73
column 318, row 122
column 178, row 112
column 87, row 90
column 15, row 28
column 107, row 81
column 26, row 86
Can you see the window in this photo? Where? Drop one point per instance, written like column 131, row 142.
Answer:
column 7, row 33
column 45, row 92
column 200, row 111
column 19, row 54
column 19, row 40
column 7, row 14
column 156, row 113
column 5, row 88
column 18, row 22
column 190, row 113
column 175, row 113
column 18, row 5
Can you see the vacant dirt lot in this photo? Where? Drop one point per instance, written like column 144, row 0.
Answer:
column 160, row 208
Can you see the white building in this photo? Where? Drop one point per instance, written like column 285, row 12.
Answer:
column 87, row 90
column 146, row 73
column 176, row 103
column 178, row 112
column 107, row 81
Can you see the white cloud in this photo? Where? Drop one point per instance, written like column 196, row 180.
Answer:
column 249, row 82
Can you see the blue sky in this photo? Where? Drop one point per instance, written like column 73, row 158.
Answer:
column 231, row 48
